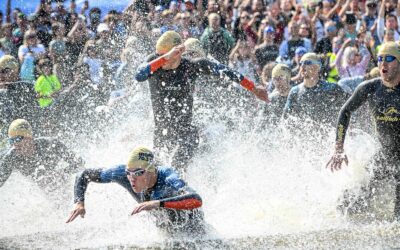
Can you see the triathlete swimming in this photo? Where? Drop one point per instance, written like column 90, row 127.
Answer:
column 172, row 80
column 38, row 158
column 174, row 204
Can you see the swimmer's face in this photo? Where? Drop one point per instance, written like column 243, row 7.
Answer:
column 309, row 70
column 139, row 179
column 387, row 68
column 19, row 143
column 281, row 83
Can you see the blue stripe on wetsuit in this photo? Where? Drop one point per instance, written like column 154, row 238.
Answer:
column 143, row 72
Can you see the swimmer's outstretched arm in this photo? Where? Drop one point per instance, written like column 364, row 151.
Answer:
column 187, row 201
column 217, row 69
column 359, row 97
column 81, row 182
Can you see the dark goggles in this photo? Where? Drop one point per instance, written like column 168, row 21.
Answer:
column 307, row 62
column 387, row 58
column 15, row 139
column 135, row 173
column 5, row 71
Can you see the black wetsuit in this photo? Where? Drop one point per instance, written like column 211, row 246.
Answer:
column 274, row 109
column 384, row 106
column 172, row 100
column 320, row 103
column 43, row 166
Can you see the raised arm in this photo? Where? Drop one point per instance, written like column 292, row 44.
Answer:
column 381, row 21
column 339, row 56
column 366, row 56
column 353, row 103
column 147, row 69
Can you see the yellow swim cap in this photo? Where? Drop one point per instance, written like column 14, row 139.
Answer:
column 167, row 41
column 143, row 158
column 193, row 45
column 281, row 70
column 20, row 127
column 8, row 62
column 390, row 48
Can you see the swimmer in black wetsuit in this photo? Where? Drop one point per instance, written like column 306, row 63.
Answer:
column 175, row 205
column 37, row 158
column 383, row 97
column 314, row 98
column 171, row 79
column 281, row 79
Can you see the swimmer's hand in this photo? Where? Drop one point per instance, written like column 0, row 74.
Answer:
column 78, row 210
column 261, row 93
column 146, row 206
column 175, row 53
column 335, row 163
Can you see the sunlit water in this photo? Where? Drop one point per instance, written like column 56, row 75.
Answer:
column 261, row 188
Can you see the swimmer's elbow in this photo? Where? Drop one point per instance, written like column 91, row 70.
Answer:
column 143, row 73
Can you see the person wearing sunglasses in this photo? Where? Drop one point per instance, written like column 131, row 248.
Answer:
column 383, row 96
column 314, row 98
column 172, row 79
column 156, row 188
column 39, row 159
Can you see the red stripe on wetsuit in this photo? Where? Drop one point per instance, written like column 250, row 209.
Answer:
column 184, row 202
column 157, row 63
column 247, row 84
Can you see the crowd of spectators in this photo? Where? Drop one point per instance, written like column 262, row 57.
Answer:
column 59, row 64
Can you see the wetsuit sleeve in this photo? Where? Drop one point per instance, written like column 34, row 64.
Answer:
column 147, row 69
column 5, row 171
column 290, row 103
column 359, row 97
column 217, row 69
column 187, row 201
column 82, row 181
